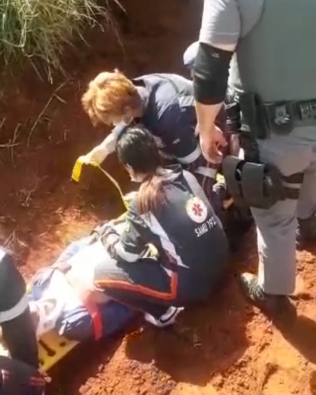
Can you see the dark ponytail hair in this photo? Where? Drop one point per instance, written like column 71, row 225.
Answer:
column 137, row 148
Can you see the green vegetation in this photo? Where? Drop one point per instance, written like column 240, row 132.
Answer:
column 41, row 28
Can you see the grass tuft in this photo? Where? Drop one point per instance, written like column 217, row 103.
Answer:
column 40, row 29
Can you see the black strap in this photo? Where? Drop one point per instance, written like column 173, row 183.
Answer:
column 296, row 178
column 231, row 171
column 196, row 188
column 292, row 193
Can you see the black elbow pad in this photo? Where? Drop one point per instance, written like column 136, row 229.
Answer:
column 211, row 71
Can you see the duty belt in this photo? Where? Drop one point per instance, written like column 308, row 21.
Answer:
column 261, row 119
column 284, row 113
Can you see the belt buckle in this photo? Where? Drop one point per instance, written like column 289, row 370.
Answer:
column 307, row 110
column 281, row 115
column 313, row 108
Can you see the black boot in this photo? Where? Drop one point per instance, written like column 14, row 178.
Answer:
column 237, row 224
column 306, row 232
column 269, row 304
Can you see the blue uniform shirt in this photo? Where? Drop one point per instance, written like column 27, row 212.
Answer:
column 169, row 114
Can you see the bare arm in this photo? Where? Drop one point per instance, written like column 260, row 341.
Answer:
column 101, row 151
column 206, row 115
column 107, row 147
column 219, row 36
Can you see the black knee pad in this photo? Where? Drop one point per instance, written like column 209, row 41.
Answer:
column 12, row 284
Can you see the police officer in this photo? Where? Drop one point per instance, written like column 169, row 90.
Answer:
column 277, row 97
column 172, row 213
column 164, row 104
column 20, row 373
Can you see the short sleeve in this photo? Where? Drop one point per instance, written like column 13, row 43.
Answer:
column 119, row 129
column 178, row 134
column 221, row 23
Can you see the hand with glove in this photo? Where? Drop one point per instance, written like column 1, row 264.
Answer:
column 95, row 156
column 100, row 152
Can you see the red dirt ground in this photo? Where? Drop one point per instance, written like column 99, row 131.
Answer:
column 223, row 348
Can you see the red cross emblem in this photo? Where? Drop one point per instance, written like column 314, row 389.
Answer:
column 197, row 209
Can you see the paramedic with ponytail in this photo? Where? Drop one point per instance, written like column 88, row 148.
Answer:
column 172, row 213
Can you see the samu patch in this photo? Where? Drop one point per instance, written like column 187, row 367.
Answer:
column 196, row 210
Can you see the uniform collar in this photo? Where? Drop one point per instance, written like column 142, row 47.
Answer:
column 172, row 172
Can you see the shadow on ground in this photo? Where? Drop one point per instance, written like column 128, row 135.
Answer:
column 203, row 343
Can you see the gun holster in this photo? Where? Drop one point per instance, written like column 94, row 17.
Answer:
column 253, row 184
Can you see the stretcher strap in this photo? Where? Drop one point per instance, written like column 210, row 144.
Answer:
column 115, row 183
column 92, row 309
column 94, row 312
column 76, row 173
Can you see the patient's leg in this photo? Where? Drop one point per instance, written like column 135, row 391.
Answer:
column 85, row 287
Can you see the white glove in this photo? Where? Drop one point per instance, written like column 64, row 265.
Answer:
column 130, row 196
column 97, row 155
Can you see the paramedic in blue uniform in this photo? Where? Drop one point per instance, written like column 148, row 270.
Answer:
column 19, row 375
column 164, row 104
column 172, row 213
